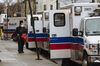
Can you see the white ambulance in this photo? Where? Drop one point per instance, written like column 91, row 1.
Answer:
column 9, row 26
column 38, row 29
column 71, row 34
column 63, row 28
column 84, row 20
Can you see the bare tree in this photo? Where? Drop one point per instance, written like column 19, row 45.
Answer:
column 2, row 7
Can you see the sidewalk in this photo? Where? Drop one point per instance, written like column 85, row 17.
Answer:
column 10, row 56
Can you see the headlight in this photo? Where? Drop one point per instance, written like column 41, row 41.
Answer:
column 94, row 59
column 93, row 49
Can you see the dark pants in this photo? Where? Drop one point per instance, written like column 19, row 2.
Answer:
column 20, row 45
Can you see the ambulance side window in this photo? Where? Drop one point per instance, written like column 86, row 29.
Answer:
column 82, row 25
column 81, row 31
column 59, row 19
column 36, row 18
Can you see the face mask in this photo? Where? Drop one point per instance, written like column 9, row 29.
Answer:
column 22, row 25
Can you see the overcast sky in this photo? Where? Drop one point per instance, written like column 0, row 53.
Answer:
column 10, row 0
column 6, row 0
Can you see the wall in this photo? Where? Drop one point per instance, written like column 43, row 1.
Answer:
column 65, row 2
column 48, row 3
column 41, row 3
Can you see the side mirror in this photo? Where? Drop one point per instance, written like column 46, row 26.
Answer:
column 44, row 29
column 75, row 32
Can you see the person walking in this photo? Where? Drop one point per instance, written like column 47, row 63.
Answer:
column 21, row 30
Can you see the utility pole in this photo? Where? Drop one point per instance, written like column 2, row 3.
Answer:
column 32, row 23
column 7, row 2
column 7, row 20
column 7, row 7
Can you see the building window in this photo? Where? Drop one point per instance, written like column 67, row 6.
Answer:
column 36, row 2
column 93, row 1
column 44, row 7
column 59, row 19
column 46, row 16
column 51, row 7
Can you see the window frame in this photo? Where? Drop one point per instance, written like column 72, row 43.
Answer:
column 63, row 21
column 36, row 19
column 46, row 16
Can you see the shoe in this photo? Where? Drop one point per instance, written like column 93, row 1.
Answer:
column 20, row 52
column 0, row 60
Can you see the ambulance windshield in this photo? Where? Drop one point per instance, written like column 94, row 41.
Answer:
column 92, row 27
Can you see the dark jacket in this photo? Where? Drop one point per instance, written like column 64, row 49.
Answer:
column 21, row 30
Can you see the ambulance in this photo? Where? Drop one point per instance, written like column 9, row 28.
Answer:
column 84, row 22
column 71, row 34
column 38, row 30
column 9, row 26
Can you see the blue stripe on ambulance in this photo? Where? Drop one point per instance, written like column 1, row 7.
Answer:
column 38, row 35
column 66, row 39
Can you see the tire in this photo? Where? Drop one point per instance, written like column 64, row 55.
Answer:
column 14, row 37
column 85, row 59
column 66, row 62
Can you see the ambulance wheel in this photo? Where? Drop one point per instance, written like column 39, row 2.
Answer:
column 66, row 62
column 85, row 59
column 27, row 45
